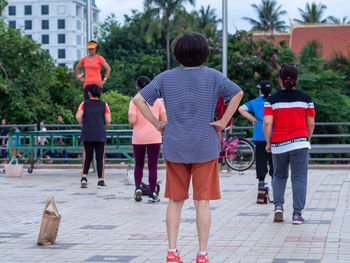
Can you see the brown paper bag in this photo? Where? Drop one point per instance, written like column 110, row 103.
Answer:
column 49, row 224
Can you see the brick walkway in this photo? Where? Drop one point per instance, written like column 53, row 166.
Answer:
column 109, row 226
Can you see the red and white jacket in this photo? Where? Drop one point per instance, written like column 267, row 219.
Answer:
column 289, row 109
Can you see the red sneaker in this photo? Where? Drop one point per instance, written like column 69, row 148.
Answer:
column 173, row 258
column 202, row 259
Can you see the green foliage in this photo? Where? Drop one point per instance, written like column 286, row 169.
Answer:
column 249, row 61
column 341, row 64
column 31, row 87
column 269, row 16
column 312, row 14
column 128, row 53
column 311, row 51
column 3, row 4
column 118, row 105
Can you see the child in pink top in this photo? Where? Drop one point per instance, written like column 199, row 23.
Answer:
column 146, row 137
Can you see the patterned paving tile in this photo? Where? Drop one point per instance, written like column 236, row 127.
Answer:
column 289, row 260
column 320, row 209
column 99, row 227
column 327, row 191
column 84, row 194
column 319, row 222
column 253, row 214
column 193, row 208
column 11, row 235
column 119, row 259
column 56, row 246
column 233, row 191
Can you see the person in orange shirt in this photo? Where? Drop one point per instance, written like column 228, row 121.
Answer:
column 146, row 137
column 92, row 64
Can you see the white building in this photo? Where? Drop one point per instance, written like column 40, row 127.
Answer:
column 59, row 25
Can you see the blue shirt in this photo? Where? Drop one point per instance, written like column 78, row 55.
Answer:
column 256, row 106
column 190, row 96
column 16, row 140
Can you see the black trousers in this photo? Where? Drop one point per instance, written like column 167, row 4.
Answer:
column 262, row 159
column 99, row 148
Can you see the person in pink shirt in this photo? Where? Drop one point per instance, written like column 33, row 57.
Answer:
column 146, row 137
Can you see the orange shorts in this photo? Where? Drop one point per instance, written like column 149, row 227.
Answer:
column 205, row 180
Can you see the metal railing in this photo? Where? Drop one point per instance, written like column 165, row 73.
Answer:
column 317, row 152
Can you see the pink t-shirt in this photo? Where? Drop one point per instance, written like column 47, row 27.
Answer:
column 144, row 132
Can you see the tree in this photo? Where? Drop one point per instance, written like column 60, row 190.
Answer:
column 207, row 21
column 269, row 15
column 312, row 14
column 32, row 89
column 168, row 8
column 335, row 20
column 128, row 53
column 3, row 4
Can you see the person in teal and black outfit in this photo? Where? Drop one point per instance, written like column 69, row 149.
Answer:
column 256, row 107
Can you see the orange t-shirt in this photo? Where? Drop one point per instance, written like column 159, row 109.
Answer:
column 92, row 69
column 144, row 132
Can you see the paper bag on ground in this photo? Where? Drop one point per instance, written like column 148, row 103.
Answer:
column 13, row 170
column 49, row 224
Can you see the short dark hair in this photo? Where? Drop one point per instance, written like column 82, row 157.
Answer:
column 289, row 75
column 191, row 50
column 95, row 90
column 142, row 81
column 266, row 87
column 60, row 115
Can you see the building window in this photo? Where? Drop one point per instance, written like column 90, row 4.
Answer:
column 61, row 53
column 61, row 38
column 78, row 54
column 44, row 9
column 29, row 36
column 12, row 24
column 62, row 64
column 44, row 24
column 61, row 24
column 78, row 25
column 79, row 40
column 28, row 24
column 27, row 10
column 45, row 39
column 12, row 10
column 95, row 17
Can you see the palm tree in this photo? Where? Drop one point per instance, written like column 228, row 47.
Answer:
column 312, row 14
column 334, row 20
column 268, row 16
column 167, row 8
column 207, row 21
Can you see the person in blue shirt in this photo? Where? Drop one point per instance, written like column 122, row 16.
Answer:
column 256, row 107
column 16, row 141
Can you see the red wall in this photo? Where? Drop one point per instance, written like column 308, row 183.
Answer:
column 332, row 38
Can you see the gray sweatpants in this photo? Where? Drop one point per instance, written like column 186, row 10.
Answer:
column 298, row 160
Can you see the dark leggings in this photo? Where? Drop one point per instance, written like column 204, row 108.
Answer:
column 153, row 155
column 99, row 148
column 262, row 158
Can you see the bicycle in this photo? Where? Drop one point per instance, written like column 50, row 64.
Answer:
column 238, row 152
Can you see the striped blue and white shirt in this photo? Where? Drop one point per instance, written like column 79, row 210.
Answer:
column 190, row 96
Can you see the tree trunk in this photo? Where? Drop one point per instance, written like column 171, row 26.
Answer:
column 168, row 37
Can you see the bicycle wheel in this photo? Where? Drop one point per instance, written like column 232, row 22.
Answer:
column 239, row 154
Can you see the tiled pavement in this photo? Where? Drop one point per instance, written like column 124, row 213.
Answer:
column 109, row 226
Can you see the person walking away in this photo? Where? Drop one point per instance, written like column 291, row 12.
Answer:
column 145, row 137
column 256, row 107
column 94, row 114
column 190, row 143
column 291, row 114
column 92, row 64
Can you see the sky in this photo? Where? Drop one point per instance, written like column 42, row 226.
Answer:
column 236, row 9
